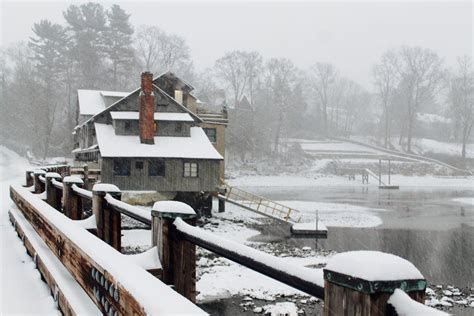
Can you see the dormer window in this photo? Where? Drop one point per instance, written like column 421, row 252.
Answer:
column 178, row 127
column 127, row 126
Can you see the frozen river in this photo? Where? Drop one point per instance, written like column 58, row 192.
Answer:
column 430, row 227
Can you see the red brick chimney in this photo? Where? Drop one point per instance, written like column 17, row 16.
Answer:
column 146, row 101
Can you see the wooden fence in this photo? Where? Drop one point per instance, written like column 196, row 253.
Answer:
column 117, row 284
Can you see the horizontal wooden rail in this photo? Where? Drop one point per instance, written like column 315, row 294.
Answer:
column 82, row 192
column 304, row 279
column 57, row 184
column 69, row 296
column 81, row 171
column 129, row 210
column 115, row 285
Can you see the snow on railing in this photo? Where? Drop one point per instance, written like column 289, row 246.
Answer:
column 82, row 192
column 115, row 285
column 304, row 279
column 57, row 184
column 405, row 306
column 129, row 210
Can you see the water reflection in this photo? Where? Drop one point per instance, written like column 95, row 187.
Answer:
column 424, row 226
column 443, row 257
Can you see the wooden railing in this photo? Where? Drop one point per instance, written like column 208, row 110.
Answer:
column 118, row 284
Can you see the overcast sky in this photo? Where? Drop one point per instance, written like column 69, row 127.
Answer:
column 352, row 35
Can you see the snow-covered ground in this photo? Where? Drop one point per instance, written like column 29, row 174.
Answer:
column 235, row 224
column 468, row 201
column 425, row 145
column 21, row 289
column 316, row 180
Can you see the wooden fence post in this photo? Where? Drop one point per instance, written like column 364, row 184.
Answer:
column 177, row 255
column 108, row 220
column 53, row 194
column 38, row 185
column 72, row 203
column 86, row 177
column 28, row 178
column 361, row 282
column 221, row 206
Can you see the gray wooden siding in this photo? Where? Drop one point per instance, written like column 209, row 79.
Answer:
column 164, row 128
column 207, row 180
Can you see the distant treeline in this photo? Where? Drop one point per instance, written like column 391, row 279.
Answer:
column 268, row 99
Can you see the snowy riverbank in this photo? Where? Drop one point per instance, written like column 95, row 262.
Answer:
column 332, row 180
column 21, row 289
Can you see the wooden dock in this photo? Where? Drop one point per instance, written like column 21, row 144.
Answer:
column 277, row 211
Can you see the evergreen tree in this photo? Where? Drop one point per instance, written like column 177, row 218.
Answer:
column 87, row 24
column 49, row 49
column 118, row 43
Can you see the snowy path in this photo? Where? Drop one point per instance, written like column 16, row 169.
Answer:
column 21, row 289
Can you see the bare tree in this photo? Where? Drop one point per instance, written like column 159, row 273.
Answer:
column 324, row 75
column 280, row 78
column 421, row 71
column 239, row 70
column 386, row 80
column 253, row 68
column 461, row 97
column 355, row 101
column 158, row 51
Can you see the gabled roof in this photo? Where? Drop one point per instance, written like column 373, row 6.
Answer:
column 244, row 104
column 197, row 146
column 181, row 83
column 112, row 106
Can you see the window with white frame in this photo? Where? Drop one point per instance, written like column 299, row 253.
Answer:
column 190, row 169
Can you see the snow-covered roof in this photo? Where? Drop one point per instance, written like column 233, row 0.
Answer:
column 92, row 102
column 115, row 94
column 110, row 107
column 197, row 146
column 159, row 116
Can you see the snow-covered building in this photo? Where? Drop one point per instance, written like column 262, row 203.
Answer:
column 151, row 139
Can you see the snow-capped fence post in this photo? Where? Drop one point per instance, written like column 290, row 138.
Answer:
column 72, row 203
column 53, row 196
column 361, row 283
column 108, row 220
column 28, row 178
column 38, row 185
column 177, row 255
